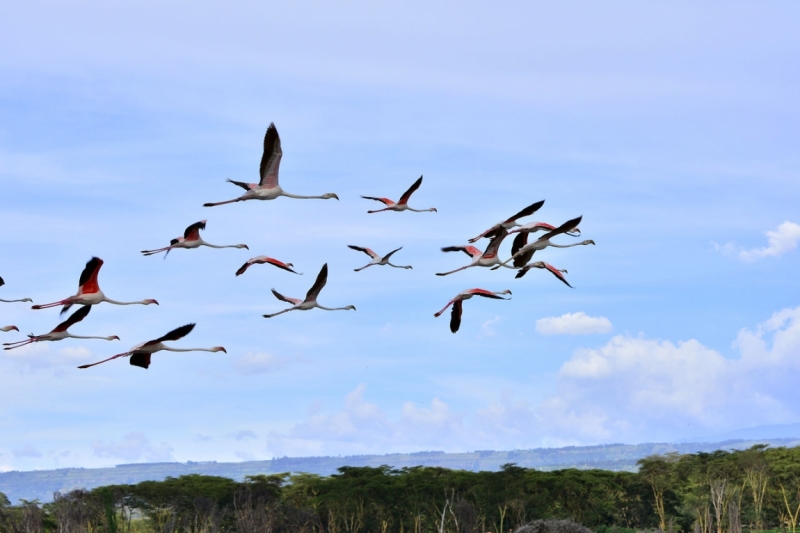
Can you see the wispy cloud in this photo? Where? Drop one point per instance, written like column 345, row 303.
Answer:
column 781, row 240
column 573, row 324
column 28, row 450
column 133, row 447
column 243, row 434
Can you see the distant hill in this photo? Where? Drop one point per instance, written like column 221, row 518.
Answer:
column 41, row 484
column 778, row 431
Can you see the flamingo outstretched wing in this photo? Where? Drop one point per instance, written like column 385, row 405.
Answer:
column 74, row 318
column 455, row 315
column 192, row 233
column 487, row 294
column 531, row 209
column 386, row 201
column 569, row 225
column 469, row 250
column 315, row 289
column 174, row 335
column 367, row 251
column 2, row 282
column 410, row 191
column 271, row 158
column 494, row 244
column 281, row 297
column 392, row 253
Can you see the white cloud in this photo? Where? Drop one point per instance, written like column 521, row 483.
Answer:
column 133, row 447
column 488, row 326
column 631, row 389
column 781, row 240
column 573, row 324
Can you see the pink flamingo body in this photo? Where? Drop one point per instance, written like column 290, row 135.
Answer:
column 310, row 301
column 191, row 239
column 60, row 332
column 509, row 222
column 89, row 292
column 487, row 258
column 268, row 188
column 376, row 259
column 140, row 354
column 12, row 301
column 402, row 204
column 263, row 259
column 455, row 316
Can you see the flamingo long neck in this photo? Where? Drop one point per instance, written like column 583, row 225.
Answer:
column 566, row 245
column 12, row 301
column 70, row 335
column 109, row 300
column 290, row 195
column 332, row 308
column 421, row 210
column 204, row 243
column 187, row 349
column 398, row 266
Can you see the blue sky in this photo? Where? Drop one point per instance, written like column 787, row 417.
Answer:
column 672, row 127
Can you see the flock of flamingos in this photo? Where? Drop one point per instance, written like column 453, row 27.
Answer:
column 268, row 188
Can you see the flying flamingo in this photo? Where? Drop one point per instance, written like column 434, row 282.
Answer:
column 521, row 252
column 191, row 239
column 402, row 205
column 455, row 316
column 262, row 259
column 60, row 331
column 140, row 354
column 89, row 292
column 11, row 301
column 311, row 297
column 482, row 259
column 533, row 227
column 268, row 188
column 376, row 259
column 9, row 328
column 510, row 222
column 557, row 272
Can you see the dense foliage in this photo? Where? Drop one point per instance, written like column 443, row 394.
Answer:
column 720, row 492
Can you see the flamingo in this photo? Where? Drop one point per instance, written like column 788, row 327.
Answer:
column 402, row 205
column 455, row 316
column 9, row 328
column 261, row 259
column 483, row 259
column 557, row 272
column 510, row 222
column 12, row 301
column 533, row 227
column 268, row 188
column 89, row 292
column 191, row 239
column 140, row 354
column 60, row 331
column 376, row 259
column 311, row 297
column 521, row 252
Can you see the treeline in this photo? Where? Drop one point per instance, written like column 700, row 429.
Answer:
column 721, row 492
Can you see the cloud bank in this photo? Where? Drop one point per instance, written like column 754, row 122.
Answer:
column 573, row 324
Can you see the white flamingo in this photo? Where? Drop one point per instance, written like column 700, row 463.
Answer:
column 140, row 354
column 557, row 272
column 12, row 301
column 311, row 297
column 263, row 259
column 376, row 259
column 89, row 292
column 191, row 239
column 487, row 258
column 455, row 315
column 402, row 204
column 60, row 331
column 509, row 222
column 521, row 253
column 268, row 188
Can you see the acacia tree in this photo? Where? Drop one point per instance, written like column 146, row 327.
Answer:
column 658, row 470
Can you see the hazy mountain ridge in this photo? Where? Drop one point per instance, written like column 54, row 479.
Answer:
column 41, row 484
